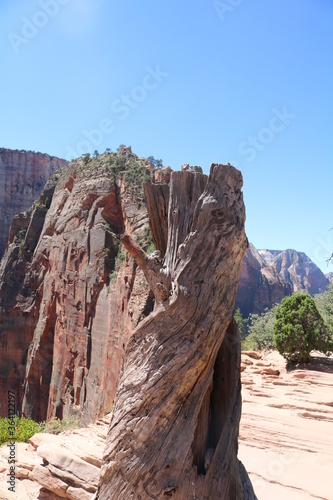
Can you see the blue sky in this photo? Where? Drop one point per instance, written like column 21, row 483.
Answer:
column 192, row 81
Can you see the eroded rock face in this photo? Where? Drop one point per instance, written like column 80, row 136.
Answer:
column 260, row 286
column 267, row 276
column 69, row 295
column 23, row 175
column 297, row 269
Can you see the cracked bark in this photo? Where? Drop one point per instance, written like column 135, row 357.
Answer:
column 174, row 429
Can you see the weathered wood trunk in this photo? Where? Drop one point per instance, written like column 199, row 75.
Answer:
column 174, row 430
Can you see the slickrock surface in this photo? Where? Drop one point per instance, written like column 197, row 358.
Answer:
column 51, row 466
column 22, row 177
column 286, row 432
column 286, row 440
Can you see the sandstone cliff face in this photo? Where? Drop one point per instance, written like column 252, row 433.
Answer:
column 297, row 269
column 267, row 276
column 23, row 175
column 260, row 286
column 69, row 296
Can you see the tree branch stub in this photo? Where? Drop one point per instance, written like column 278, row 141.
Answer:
column 174, row 428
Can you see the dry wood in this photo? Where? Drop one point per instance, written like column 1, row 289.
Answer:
column 174, row 430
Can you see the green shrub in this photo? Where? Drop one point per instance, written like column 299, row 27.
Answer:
column 324, row 303
column 116, row 163
column 24, row 429
column 151, row 248
column 85, row 157
column 156, row 163
column 56, row 425
column 119, row 259
column 241, row 322
column 299, row 328
column 135, row 175
column 113, row 277
column 260, row 328
column 145, row 240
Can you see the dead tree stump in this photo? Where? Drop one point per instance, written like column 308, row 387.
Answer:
column 174, row 429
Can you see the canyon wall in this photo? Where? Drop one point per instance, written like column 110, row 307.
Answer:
column 22, row 177
column 297, row 269
column 260, row 286
column 69, row 294
column 267, row 276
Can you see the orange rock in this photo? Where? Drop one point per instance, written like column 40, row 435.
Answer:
column 252, row 354
column 66, row 313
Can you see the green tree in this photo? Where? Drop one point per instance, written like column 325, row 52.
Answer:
column 86, row 158
column 324, row 303
column 261, row 330
column 299, row 328
column 95, row 153
column 154, row 162
column 241, row 322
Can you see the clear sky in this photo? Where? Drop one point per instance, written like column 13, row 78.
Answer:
column 188, row 81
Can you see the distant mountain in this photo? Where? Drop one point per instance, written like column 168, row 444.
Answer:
column 297, row 269
column 260, row 286
column 329, row 276
column 267, row 276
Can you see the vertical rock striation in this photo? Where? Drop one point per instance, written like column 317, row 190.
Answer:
column 23, row 175
column 267, row 276
column 297, row 269
column 68, row 295
column 260, row 286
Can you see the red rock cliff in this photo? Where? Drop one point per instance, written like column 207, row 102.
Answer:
column 22, row 177
column 69, row 294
